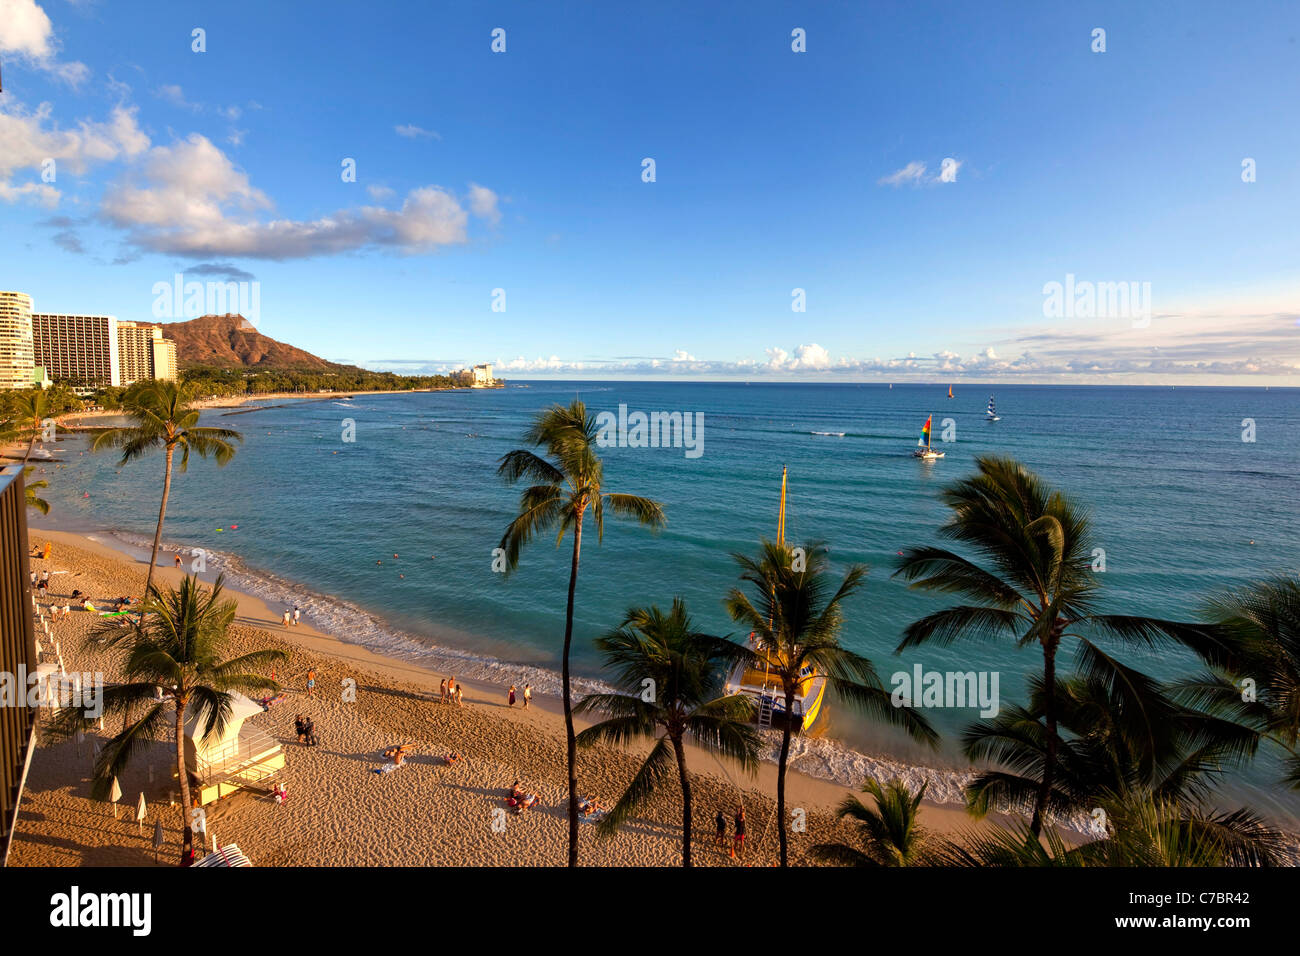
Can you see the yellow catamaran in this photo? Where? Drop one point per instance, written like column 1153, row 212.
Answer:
column 765, row 686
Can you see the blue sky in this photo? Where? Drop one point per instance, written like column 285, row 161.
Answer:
column 774, row 171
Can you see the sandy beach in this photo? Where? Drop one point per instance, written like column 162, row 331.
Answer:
column 339, row 811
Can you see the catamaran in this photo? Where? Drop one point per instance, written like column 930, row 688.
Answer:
column 766, row 688
column 923, row 449
column 992, row 416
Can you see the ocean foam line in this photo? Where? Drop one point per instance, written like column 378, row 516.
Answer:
column 823, row 758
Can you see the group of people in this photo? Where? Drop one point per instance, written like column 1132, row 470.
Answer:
column 305, row 728
column 738, row 838
column 451, row 692
column 41, row 583
column 291, row 618
column 528, row 694
column 520, row 799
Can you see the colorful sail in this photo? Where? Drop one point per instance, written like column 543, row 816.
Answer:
column 950, row 391
column 993, row 410
column 924, row 440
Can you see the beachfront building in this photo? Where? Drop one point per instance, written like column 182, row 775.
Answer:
column 77, row 348
column 142, row 352
column 17, row 649
column 17, row 359
column 483, row 376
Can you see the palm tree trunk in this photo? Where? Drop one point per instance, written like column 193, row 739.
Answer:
column 187, row 840
column 686, row 800
column 570, row 738
column 162, row 513
column 780, row 777
column 1049, row 716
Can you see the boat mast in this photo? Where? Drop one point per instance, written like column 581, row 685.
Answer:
column 780, row 521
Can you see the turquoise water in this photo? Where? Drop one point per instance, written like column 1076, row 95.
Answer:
column 1177, row 500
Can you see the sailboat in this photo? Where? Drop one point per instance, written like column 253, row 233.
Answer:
column 923, row 449
column 992, row 416
column 950, row 391
column 765, row 687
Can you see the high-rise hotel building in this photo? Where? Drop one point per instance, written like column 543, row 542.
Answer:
column 143, row 352
column 17, row 358
column 78, row 348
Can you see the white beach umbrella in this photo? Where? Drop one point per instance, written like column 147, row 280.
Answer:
column 140, row 812
column 115, row 795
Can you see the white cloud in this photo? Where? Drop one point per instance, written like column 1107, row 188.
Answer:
column 411, row 131
column 173, row 94
column 380, row 193
column 913, row 172
column 42, row 193
column 681, row 355
column 26, row 31
column 483, row 203
column 189, row 199
column 27, row 141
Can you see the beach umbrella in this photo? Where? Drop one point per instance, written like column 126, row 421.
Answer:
column 157, row 838
column 140, row 812
column 115, row 795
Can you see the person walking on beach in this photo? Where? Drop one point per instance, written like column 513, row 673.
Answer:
column 300, row 727
column 528, row 694
column 178, row 561
column 297, row 614
column 459, row 694
column 285, row 620
column 442, row 690
column 311, row 683
column 512, row 695
column 720, row 829
column 739, row 849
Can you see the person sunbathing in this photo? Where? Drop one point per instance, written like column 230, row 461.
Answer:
column 451, row 758
column 527, row 802
column 588, row 806
column 516, row 791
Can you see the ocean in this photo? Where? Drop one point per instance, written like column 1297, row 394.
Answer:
column 1181, row 504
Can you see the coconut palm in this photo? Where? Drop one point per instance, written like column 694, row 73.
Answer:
column 176, row 645
column 1105, row 746
column 1036, row 586
column 30, row 487
column 686, row 671
column 162, row 417
column 1262, row 622
column 794, row 620
column 566, row 487
column 29, row 411
column 1146, row 830
column 890, row 832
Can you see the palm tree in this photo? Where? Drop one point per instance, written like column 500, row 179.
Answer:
column 1143, row 830
column 685, row 670
column 890, row 832
column 1146, row 830
column 29, row 410
column 29, row 487
column 1036, row 586
column 1263, row 626
column 162, row 418
column 176, row 645
column 567, row 486
column 1106, row 746
column 794, row 624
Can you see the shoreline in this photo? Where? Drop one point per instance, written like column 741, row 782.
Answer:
column 340, row 811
